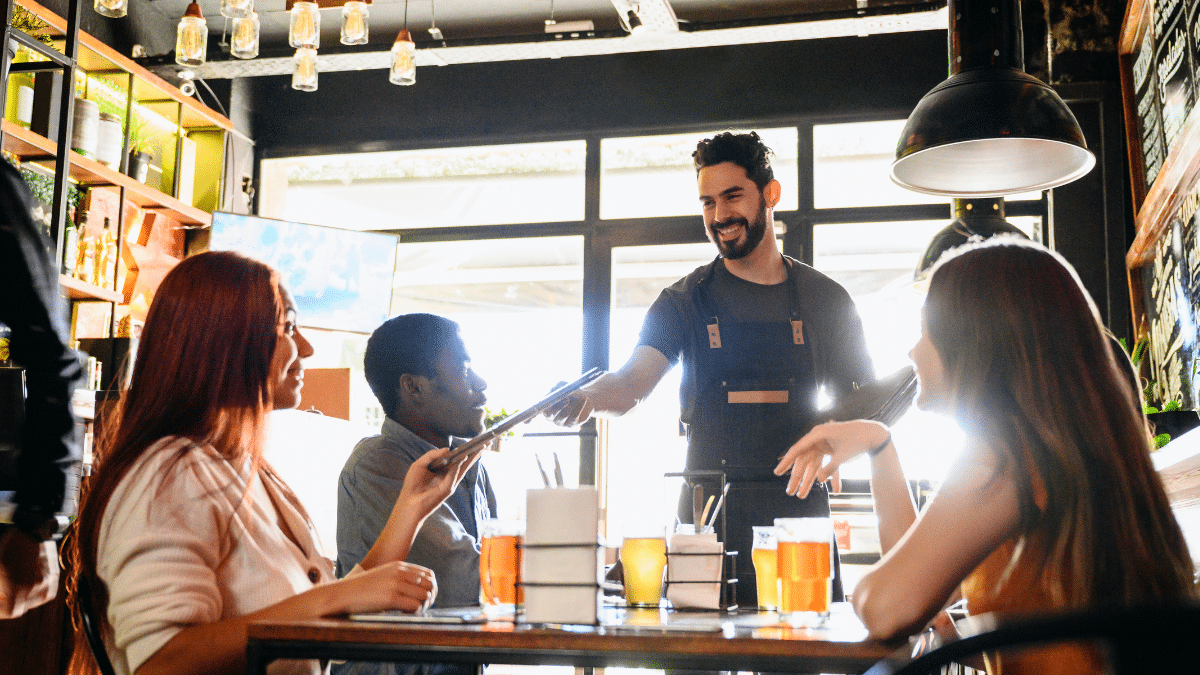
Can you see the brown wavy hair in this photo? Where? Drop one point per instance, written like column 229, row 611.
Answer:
column 1035, row 378
column 201, row 372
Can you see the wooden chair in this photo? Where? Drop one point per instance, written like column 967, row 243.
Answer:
column 1144, row 639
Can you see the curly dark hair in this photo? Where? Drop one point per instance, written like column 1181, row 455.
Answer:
column 746, row 150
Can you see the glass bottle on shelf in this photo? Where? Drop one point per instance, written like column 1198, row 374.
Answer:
column 70, row 250
column 83, row 252
column 106, row 257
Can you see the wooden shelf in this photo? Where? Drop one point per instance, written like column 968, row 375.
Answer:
column 81, row 290
column 95, row 56
column 30, row 146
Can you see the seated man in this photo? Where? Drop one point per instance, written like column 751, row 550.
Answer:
column 419, row 370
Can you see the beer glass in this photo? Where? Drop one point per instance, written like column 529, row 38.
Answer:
column 643, row 559
column 805, row 566
column 500, row 547
column 765, row 566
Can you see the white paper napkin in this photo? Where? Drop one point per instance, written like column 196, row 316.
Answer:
column 693, row 568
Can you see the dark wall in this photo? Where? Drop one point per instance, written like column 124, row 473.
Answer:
column 490, row 102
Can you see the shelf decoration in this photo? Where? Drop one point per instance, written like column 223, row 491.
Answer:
column 191, row 42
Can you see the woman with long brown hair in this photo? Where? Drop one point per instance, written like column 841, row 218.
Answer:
column 1054, row 502
column 185, row 534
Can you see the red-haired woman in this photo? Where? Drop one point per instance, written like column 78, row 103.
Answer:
column 1054, row 502
column 185, row 534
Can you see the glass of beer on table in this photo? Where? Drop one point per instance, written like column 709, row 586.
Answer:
column 643, row 559
column 805, row 566
column 500, row 546
column 765, row 566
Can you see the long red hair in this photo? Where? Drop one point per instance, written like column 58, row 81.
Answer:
column 201, row 372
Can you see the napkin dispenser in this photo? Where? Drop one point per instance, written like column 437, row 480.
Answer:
column 694, row 563
column 562, row 563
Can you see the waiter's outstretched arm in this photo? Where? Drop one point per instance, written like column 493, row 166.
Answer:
column 615, row 393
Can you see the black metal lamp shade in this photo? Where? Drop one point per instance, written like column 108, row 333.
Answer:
column 990, row 132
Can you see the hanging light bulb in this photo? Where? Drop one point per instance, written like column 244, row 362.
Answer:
column 113, row 9
column 244, row 44
column 304, row 77
column 354, row 23
column 235, row 9
column 191, row 39
column 305, row 27
column 404, row 69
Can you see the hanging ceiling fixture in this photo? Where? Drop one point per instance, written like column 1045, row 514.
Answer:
column 304, row 77
column 974, row 220
column 304, row 27
column 244, row 43
column 113, row 9
column 191, row 38
column 236, row 9
column 990, row 129
column 404, row 65
column 354, row 23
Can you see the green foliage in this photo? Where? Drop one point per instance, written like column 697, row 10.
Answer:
column 490, row 418
column 1161, row 440
column 27, row 22
column 42, row 187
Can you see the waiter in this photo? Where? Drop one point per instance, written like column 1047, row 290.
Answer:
column 760, row 335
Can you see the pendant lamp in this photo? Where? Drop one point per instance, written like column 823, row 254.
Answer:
column 304, row 26
column 990, row 129
column 354, row 23
column 244, row 43
column 191, row 38
column 404, row 68
column 304, row 75
column 974, row 220
column 236, row 9
column 113, row 9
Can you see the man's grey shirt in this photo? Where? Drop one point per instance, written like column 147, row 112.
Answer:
column 447, row 543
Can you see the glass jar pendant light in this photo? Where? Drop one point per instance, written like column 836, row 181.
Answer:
column 354, row 23
column 244, row 44
column 237, row 9
column 404, row 68
column 114, row 9
column 304, row 29
column 191, row 39
column 304, row 77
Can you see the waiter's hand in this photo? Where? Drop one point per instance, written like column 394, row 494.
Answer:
column 572, row 411
column 838, row 441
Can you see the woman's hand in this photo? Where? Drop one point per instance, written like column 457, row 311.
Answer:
column 839, row 441
column 393, row 585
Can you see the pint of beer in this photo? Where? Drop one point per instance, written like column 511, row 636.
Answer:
column 805, row 565
column 500, row 548
column 643, row 560
column 765, row 566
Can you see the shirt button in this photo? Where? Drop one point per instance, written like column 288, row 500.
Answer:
column 314, row 575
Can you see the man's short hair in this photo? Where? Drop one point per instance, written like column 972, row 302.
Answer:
column 407, row 344
column 746, row 150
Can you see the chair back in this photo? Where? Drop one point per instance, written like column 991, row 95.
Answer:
column 91, row 627
column 1144, row 639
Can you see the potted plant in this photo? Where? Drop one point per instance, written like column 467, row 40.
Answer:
column 1168, row 419
column 141, row 141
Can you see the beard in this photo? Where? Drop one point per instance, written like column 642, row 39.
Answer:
column 738, row 248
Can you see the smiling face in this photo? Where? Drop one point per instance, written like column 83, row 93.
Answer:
column 931, row 374
column 287, row 371
column 735, row 210
column 452, row 404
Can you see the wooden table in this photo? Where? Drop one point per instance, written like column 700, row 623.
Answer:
column 627, row 638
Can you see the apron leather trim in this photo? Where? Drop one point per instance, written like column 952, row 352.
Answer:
column 779, row 396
